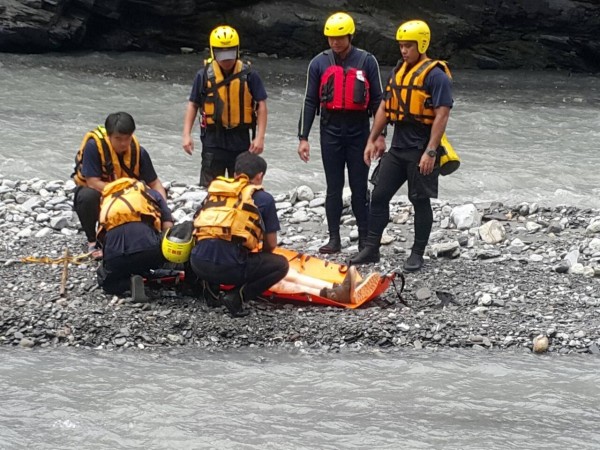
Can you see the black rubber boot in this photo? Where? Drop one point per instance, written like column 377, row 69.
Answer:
column 368, row 255
column 138, row 293
column 233, row 301
column 362, row 239
column 334, row 245
column 414, row 262
column 210, row 292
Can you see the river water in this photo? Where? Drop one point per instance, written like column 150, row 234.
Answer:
column 184, row 400
column 522, row 137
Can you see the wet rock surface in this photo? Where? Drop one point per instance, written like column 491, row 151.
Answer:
column 489, row 34
column 537, row 281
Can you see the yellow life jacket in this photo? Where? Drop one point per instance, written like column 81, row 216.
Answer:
column 406, row 98
column 229, row 213
column 112, row 168
column 228, row 101
column 127, row 200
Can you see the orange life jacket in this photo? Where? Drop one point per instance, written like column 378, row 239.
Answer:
column 406, row 98
column 228, row 101
column 229, row 213
column 112, row 169
column 127, row 200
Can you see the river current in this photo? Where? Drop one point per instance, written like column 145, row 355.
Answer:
column 522, row 136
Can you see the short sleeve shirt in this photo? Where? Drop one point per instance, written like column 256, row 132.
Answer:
column 92, row 164
column 415, row 135
column 134, row 237
column 234, row 139
column 227, row 253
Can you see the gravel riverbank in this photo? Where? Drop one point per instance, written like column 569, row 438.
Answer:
column 514, row 273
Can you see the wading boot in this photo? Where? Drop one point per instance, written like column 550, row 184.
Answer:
column 234, row 302
column 362, row 239
column 369, row 254
column 138, row 294
column 334, row 245
column 414, row 262
column 210, row 293
column 342, row 293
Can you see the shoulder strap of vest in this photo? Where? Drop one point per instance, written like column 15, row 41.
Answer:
column 228, row 79
column 444, row 67
column 329, row 54
column 363, row 58
column 108, row 164
column 132, row 160
column 427, row 65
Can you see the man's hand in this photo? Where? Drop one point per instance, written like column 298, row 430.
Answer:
column 188, row 144
column 426, row 164
column 304, row 150
column 257, row 145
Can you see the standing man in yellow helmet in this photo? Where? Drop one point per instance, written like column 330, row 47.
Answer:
column 232, row 101
column 418, row 99
column 343, row 85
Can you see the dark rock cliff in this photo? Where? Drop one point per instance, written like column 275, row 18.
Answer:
column 487, row 34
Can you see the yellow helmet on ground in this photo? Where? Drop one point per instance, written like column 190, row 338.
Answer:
column 224, row 37
column 178, row 242
column 339, row 24
column 415, row 30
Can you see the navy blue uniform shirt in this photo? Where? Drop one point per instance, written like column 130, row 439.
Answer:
column 227, row 253
column 415, row 135
column 135, row 237
column 92, row 164
column 234, row 139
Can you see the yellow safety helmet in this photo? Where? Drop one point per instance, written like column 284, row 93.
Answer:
column 224, row 37
column 415, row 30
column 339, row 24
column 178, row 242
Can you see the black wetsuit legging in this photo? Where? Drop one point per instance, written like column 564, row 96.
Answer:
column 87, row 206
column 343, row 144
column 396, row 167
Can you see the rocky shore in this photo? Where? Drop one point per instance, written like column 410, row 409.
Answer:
column 496, row 278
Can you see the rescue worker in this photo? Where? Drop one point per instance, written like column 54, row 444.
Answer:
column 418, row 99
column 132, row 218
column 236, row 233
column 343, row 85
column 106, row 154
column 232, row 101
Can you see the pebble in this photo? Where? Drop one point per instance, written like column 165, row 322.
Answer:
column 507, row 292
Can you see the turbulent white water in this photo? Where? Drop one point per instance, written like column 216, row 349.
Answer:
column 70, row 399
column 522, row 136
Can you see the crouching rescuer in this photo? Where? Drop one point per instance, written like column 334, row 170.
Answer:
column 236, row 233
column 132, row 218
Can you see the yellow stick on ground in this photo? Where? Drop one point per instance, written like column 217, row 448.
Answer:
column 65, row 273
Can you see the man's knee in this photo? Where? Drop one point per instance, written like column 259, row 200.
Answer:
column 86, row 197
column 279, row 265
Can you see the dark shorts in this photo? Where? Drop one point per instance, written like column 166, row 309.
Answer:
column 398, row 166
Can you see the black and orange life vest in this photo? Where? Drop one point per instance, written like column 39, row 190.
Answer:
column 228, row 101
column 229, row 213
column 127, row 200
column 112, row 167
column 406, row 98
column 344, row 89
